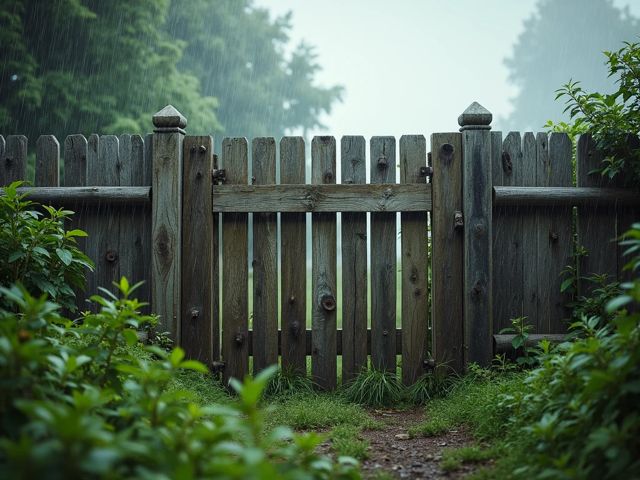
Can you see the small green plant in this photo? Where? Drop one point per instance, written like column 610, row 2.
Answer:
column 287, row 381
column 374, row 388
column 521, row 330
column 36, row 250
column 346, row 441
column 432, row 385
column 454, row 458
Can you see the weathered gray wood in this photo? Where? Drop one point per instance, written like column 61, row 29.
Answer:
column 589, row 197
column 502, row 343
column 323, row 309
column 529, row 231
column 415, row 261
column 91, row 217
column 365, row 340
column 235, row 270
column 147, row 225
column 107, row 172
column 447, row 250
column 198, row 286
column 265, row 257
column 383, row 260
column 507, row 234
column 166, row 214
column 75, row 175
column 477, row 190
column 354, row 263
column 597, row 224
column 47, row 161
column 293, row 262
column 132, row 243
column 93, row 196
column 14, row 160
column 554, row 232
column 322, row 198
column 626, row 217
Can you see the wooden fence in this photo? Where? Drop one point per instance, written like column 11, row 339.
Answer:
column 501, row 215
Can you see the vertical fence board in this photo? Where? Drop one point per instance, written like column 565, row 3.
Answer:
column 265, row 269
column 507, row 236
column 554, row 232
column 323, row 325
column 354, row 264
column 91, row 217
column 14, row 160
column 47, row 161
column 293, row 262
column 415, row 294
column 235, row 310
column 383, row 260
column 447, row 250
column 597, row 227
column 197, row 250
column 147, row 224
column 3, row 161
column 529, row 229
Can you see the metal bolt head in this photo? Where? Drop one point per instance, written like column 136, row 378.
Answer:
column 202, row 149
column 195, row 313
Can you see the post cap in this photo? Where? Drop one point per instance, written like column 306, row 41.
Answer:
column 475, row 117
column 169, row 118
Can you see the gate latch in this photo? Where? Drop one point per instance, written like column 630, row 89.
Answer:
column 219, row 175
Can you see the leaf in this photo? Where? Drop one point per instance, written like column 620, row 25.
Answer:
column 64, row 255
column 618, row 303
column 176, row 356
column 76, row 233
column 194, row 365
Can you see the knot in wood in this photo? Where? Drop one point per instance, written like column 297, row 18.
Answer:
column 507, row 165
column 294, row 328
column 553, row 236
column 328, row 177
column 385, row 333
column 239, row 339
column 292, row 300
column 383, row 162
column 447, row 149
column 477, row 289
column 328, row 302
column 479, row 229
column 111, row 256
column 195, row 313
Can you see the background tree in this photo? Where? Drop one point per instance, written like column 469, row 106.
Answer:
column 563, row 40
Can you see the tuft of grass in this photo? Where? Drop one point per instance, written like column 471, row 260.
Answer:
column 288, row 382
column 374, row 388
column 317, row 411
column 430, row 386
column 204, row 388
column 454, row 458
column 346, row 441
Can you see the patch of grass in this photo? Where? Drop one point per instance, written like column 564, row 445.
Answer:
column 205, row 388
column 430, row 386
column 476, row 402
column 317, row 411
column 374, row 388
column 346, row 441
column 288, row 382
column 454, row 458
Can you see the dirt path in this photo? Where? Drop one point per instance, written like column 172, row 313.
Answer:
column 392, row 451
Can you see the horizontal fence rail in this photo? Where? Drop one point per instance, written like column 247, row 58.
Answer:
column 70, row 196
column 564, row 197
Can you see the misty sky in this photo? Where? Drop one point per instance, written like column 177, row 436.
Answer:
column 412, row 66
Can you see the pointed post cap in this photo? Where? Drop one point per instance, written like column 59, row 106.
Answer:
column 475, row 117
column 169, row 120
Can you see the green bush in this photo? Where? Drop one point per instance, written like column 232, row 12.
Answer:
column 77, row 401
column 36, row 250
column 579, row 409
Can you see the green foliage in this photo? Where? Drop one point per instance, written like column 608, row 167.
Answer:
column 431, row 385
column 612, row 118
column 375, row 388
column 37, row 251
column 78, row 401
column 346, row 441
column 287, row 381
column 521, row 330
column 560, row 40
column 454, row 458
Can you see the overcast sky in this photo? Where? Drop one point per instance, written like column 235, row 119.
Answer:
column 411, row 66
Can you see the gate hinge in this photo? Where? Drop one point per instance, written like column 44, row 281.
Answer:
column 426, row 172
column 219, row 175
column 217, row 367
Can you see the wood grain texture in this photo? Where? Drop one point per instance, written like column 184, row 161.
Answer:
column 73, row 197
column 14, row 160
column 323, row 323
column 554, row 232
column 47, row 161
column 383, row 260
column 529, row 231
column 597, row 224
column 477, row 205
column 197, row 284
column 235, row 270
column 447, row 251
column 353, row 162
column 507, row 235
column 91, row 216
column 415, row 261
column 293, row 262
column 590, row 197
column 265, row 257
column 147, row 225
column 166, row 229
column 385, row 197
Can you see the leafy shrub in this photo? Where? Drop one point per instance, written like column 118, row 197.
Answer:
column 375, row 388
column 76, row 401
column 37, row 251
column 580, row 407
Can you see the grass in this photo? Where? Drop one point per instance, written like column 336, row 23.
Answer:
column 346, row 441
column 454, row 458
column 374, row 388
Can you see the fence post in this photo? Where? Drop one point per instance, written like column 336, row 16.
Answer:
column 166, row 190
column 475, row 125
